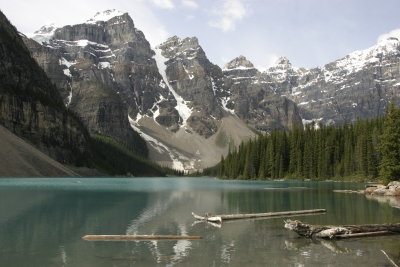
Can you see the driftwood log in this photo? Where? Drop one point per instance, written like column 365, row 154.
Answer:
column 220, row 218
column 136, row 237
column 346, row 231
column 389, row 259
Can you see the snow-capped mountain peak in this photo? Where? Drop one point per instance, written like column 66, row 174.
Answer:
column 47, row 29
column 240, row 62
column 44, row 34
column 281, row 64
column 391, row 36
column 357, row 60
column 104, row 16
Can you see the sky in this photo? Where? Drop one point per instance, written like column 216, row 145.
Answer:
column 309, row 33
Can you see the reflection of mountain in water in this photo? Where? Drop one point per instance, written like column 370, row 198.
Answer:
column 46, row 227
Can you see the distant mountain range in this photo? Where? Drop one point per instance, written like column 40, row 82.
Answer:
column 189, row 110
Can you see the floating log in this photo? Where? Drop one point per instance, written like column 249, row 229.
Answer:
column 390, row 260
column 136, row 237
column 346, row 231
column 377, row 233
column 220, row 218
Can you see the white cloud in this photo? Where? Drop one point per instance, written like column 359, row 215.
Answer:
column 190, row 4
column 189, row 17
column 229, row 14
column 167, row 4
column 394, row 33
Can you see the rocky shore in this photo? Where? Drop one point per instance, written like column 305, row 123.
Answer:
column 384, row 194
column 392, row 189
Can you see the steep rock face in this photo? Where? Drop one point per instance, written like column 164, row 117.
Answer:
column 108, row 72
column 30, row 105
column 195, row 81
column 254, row 101
column 359, row 85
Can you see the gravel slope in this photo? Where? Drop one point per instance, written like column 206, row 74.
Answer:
column 20, row 159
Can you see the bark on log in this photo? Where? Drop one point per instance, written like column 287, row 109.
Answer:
column 220, row 218
column 136, row 237
column 330, row 231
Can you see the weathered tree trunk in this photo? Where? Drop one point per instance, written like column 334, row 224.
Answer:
column 346, row 231
column 220, row 218
column 136, row 237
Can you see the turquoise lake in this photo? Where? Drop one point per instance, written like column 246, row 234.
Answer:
column 42, row 222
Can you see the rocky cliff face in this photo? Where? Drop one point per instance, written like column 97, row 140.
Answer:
column 195, row 82
column 250, row 96
column 30, row 105
column 107, row 73
column 359, row 85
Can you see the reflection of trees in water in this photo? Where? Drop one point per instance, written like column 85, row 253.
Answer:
column 302, row 243
column 56, row 225
column 343, row 209
column 393, row 201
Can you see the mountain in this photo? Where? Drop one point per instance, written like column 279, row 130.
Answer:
column 173, row 96
column 95, row 66
column 252, row 99
column 189, row 110
column 30, row 105
column 40, row 135
column 360, row 85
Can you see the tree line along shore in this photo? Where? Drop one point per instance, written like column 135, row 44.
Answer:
column 368, row 149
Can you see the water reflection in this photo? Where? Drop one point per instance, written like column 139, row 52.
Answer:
column 393, row 201
column 45, row 226
column 298, row 244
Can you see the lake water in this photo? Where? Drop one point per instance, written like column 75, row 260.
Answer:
column 42, row 222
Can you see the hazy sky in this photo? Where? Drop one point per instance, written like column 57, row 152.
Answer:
column 309, row 32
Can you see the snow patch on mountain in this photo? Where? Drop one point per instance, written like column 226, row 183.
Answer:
column 68, row 64
column 44, row 34
column 104, row 65
column 315, row 121
column 213, row 86
column 357, row 60
column 224, row 103
column 156, row 108
column 392, row 34
column 182, row 106
column 104, row 16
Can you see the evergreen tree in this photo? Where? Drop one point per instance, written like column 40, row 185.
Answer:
column 389, row 168
column 322, row 152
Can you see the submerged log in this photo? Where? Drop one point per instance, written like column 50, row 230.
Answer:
column 136, row 237
column 220, row 218
column 346, row 231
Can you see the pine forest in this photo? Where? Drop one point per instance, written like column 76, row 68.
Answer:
column 366, row 150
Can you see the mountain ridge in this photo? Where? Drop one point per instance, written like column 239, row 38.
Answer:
column 173, row 90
